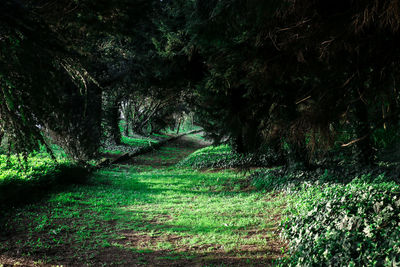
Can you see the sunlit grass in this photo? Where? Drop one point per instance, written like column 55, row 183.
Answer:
column 22, row 181
column 167, row 213
column 200, row 210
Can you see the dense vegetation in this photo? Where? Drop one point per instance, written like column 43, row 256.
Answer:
column 338, row 221
column 305, row 91
column 259, row 75
column 20, row 182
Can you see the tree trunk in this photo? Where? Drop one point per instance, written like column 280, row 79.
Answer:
column 115, row 130
column 179, row 126
column 127, row 115
column 92, row 123
column 126, row 130
column 112, row 118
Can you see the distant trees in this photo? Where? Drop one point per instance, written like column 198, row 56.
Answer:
column 146, row 114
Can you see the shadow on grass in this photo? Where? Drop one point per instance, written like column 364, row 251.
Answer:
column 100, row 222
column 121, row 256
column 16, row 192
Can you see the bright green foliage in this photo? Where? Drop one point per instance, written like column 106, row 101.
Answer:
column 137, row 141
column 12, row 168
column 129, row 144
column 20, row 180
column 221, row 157
column 356, row 224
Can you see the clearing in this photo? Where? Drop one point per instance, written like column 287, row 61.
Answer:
column 148, row 212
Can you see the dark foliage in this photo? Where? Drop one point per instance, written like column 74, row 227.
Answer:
column 299, row 73
column 298, row 77
column 44, row 88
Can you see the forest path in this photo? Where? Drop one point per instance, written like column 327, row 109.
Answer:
column 148, row 213
column 171, row 153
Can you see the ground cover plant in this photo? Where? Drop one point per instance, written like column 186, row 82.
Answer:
column 355, row 224
column 332, row 220
column 21, row 180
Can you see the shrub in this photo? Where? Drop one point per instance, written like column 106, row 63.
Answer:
column 129, row 144
column 221, row 157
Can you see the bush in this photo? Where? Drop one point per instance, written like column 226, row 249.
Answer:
column 221, row 157
column 272, row 179
column 130, row 144
column 354, row 224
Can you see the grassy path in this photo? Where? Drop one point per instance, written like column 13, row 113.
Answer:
column 148, row 212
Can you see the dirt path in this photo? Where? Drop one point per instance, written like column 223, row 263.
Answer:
column 147, row 212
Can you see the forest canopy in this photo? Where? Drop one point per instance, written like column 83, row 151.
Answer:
column 297, row 79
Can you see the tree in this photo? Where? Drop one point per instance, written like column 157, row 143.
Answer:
column 289, row 72
column 44, row 88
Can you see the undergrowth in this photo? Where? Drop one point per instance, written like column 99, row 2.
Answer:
column 221, row 157
column 337, row 221
column 130, row 144
column 20, row 180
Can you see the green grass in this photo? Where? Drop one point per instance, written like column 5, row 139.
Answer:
column 180, row 213
column 165, row 154
column 212, row 156
column 141, row 214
